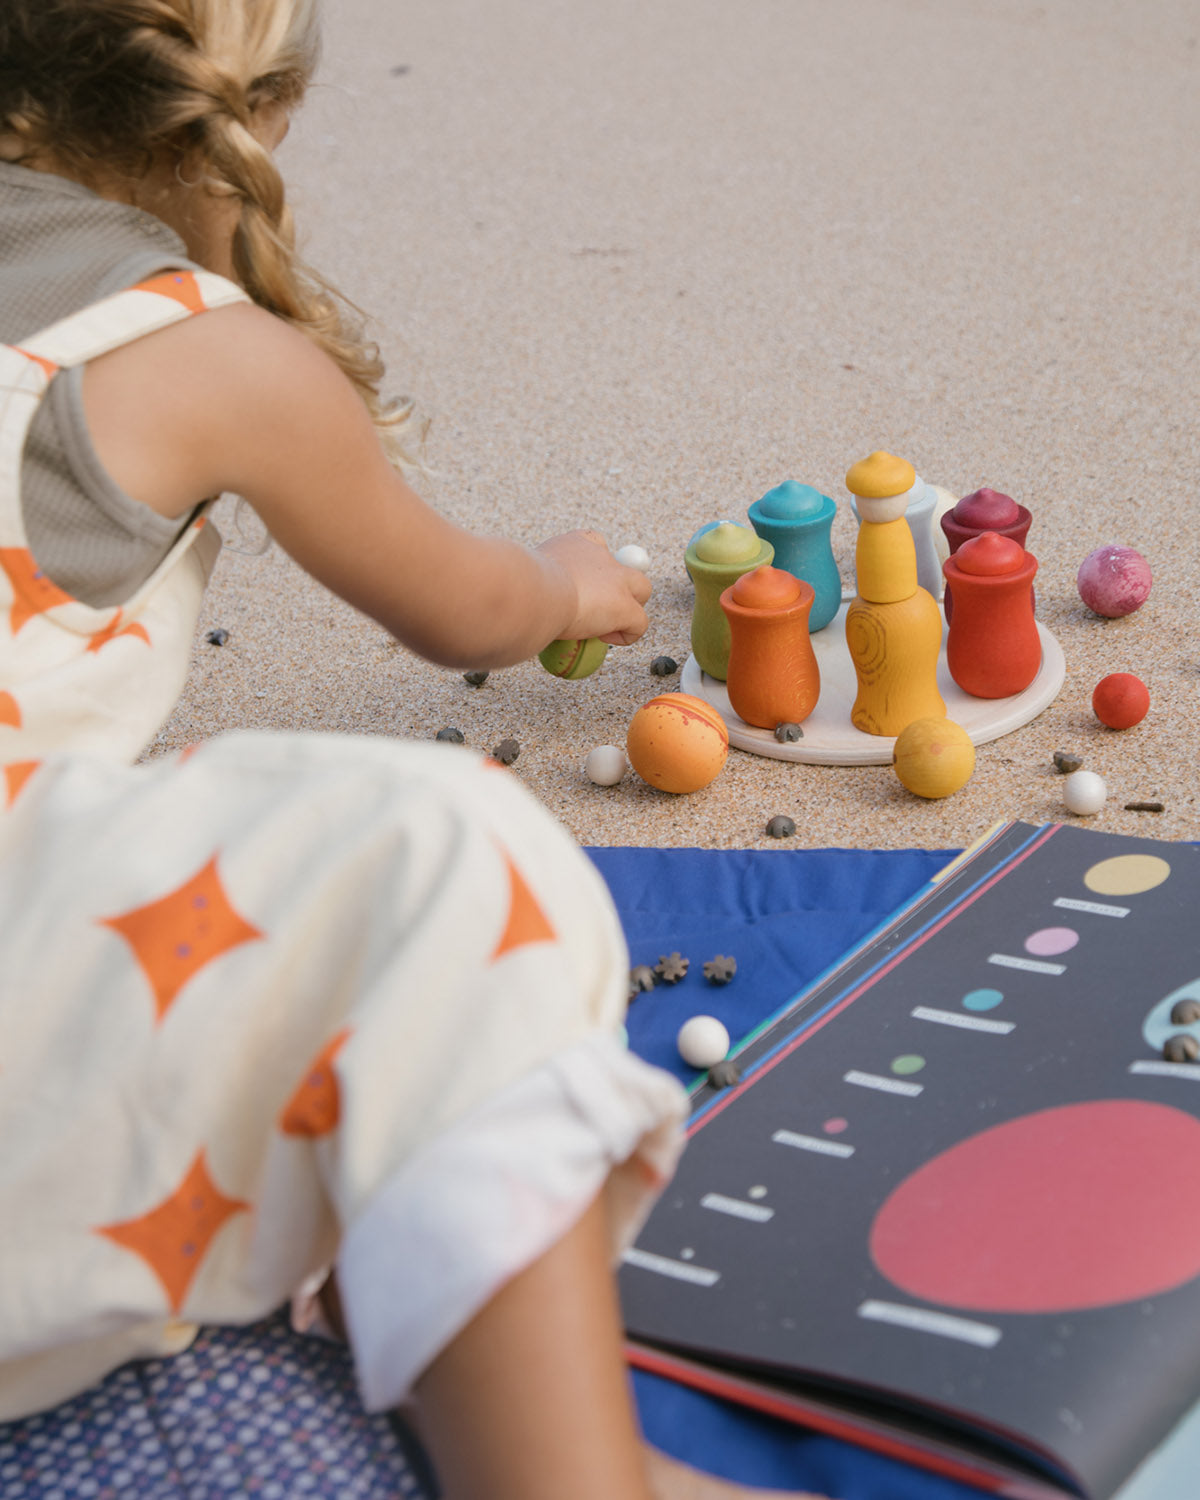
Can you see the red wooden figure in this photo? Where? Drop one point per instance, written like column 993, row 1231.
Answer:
column 993, row 649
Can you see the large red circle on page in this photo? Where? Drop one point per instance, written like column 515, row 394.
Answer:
column 1081, row 1206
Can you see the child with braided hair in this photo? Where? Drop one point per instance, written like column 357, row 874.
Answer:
column 285, row 1000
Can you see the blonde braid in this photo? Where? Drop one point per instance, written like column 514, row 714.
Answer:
column 268, row 266
column 266, row 261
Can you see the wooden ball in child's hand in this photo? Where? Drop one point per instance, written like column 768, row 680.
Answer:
column 634, row 556
column 1121, row 700
column 933, row 757
column 573, row 659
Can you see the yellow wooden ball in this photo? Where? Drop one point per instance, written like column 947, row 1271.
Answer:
column 933, row 757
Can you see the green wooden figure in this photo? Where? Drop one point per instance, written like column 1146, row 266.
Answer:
column 716, row 558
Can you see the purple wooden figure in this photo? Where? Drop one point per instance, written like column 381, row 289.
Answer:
column 980, row 511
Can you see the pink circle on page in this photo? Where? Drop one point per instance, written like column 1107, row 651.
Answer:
column 1051, row 940
column 1009, row 1220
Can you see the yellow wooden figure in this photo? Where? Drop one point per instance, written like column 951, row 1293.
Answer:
column 893, row 627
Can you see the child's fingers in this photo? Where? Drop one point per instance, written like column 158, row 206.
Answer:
column 625, row 637
column 639, row 585
column 608, row 593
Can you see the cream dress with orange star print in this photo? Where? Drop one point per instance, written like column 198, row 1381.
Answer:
column 280, row 1000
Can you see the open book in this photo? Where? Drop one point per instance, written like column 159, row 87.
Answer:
column 952, row 1208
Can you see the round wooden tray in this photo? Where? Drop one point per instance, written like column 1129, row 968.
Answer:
column 829, row 737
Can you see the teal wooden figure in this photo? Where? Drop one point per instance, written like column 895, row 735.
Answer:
column 796, row 520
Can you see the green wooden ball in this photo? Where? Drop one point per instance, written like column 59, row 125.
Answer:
column 573, row 659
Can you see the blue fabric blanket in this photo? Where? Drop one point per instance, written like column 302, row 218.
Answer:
column 785, row 917
column 259, row 1411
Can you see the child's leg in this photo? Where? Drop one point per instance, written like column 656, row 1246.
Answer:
column 531, row 1401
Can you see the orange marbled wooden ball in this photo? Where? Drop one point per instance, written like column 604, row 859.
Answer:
column 677, row 742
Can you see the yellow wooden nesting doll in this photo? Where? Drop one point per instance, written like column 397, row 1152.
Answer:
column 893, row 626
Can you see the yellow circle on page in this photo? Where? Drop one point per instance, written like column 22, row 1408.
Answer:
column 1127, row 875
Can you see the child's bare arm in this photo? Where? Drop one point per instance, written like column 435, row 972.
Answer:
column 236, row 400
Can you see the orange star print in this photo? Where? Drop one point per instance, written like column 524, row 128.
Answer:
column 113, row 629
column 316, row 1106
column 174, row 1237
column 15, row 777
column 47, row 365
column 10, row 710
column 174, row 937
column 33, row 593
column 180, row 286
column 527, row 922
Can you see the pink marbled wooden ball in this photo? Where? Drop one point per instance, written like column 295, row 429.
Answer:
column 1114, row 580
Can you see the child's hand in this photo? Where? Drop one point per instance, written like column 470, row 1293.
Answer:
column 608, row 596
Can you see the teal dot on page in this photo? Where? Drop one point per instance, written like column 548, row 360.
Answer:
column 982, row 999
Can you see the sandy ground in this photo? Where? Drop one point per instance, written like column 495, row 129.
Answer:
column 638, row 263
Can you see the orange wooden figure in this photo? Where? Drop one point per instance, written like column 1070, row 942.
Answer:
column 893, row 626
column 773, row 675
column 993, row 649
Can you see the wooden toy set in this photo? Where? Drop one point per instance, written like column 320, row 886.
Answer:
column 935, row 650
column 854, row 673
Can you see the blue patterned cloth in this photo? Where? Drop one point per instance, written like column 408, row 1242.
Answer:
column 245, row 1411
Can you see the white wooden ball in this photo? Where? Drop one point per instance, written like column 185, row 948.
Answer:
column 634, row 556
column 702, row 1041
column 1084, row 793
column 605, row 765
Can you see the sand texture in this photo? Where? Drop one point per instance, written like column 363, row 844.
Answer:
column 638, row 263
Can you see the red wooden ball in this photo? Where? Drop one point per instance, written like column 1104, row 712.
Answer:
column 1121, row 700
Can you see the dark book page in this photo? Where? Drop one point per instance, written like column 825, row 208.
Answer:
column 956, row 1172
